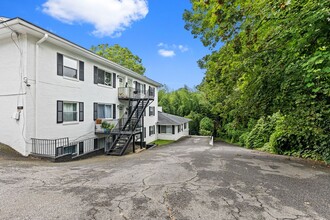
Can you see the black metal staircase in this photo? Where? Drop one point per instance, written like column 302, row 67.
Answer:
column 129, row 125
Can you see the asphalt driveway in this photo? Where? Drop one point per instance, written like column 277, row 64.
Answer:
column 185, row 180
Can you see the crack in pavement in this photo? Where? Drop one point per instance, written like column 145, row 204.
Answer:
column 92, row 212
column 121, row 210
column 168, row 208
column 231, row 211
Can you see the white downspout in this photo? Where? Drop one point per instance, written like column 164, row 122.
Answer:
column 37, row 82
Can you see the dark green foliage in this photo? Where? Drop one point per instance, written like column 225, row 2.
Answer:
column 206, row 127
column 269, row 84
column 120, row 55
column 194, row 123
column 185, row 102
column 262, row 131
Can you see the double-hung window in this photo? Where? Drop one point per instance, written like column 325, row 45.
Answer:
column 104, row 111
column 151, row 110
column 151, row 130
column 70, row 112
column 70, row 67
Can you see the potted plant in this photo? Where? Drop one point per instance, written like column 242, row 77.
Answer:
column 107, row 126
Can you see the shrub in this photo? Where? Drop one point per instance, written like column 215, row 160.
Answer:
column 206, row 126
column 233, row 132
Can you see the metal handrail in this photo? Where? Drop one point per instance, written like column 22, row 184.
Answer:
column 132, row 93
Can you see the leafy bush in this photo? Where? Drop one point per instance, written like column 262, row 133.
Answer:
column 243, row 139
column 233, row 132
column 300, row 136
column 206, row 126
column 262, row 131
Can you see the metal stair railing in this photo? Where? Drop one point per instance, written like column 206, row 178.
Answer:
column 128, row 124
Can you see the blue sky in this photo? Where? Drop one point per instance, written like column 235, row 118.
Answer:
column 152, row 29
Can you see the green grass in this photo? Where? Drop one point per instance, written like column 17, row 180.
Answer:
column 162, row 142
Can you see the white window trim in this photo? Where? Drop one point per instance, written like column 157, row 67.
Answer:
column 77, row 112
column 110, row 104
column 67, row 77
column 71, row 78
column 105, row 86
column 106, row 71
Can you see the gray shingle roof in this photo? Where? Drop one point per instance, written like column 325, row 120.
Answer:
column 168, row 119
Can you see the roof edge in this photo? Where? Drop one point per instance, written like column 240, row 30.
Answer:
column 41, row 30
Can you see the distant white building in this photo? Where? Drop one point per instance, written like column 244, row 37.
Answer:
column 172, row 127
column 58, row 98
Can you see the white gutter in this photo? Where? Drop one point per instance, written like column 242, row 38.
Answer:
column 37, row 81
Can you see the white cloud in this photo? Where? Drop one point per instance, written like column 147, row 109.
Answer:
column 183, row 48
column 166, row 53
column 169, row 50
column 109, row 17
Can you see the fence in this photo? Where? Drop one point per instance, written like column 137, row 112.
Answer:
column 62, row 146
column 48, row 146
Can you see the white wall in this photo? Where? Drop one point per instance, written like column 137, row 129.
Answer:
column 56, row 87
column 151, row 120
column 12, row 132
column 38, row 117
column 176, row 136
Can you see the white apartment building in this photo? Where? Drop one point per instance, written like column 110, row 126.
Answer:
column 55, row 96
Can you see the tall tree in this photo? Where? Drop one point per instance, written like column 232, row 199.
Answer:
column 275, row 61
column 121, row 55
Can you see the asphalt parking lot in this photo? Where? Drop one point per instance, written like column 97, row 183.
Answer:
column 185, row 180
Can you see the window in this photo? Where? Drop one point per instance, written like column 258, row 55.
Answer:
column 185, row 125
column 105, row 78
column 70, row 149
column 151, row 130
column 151, row 110
column 70, row 67
column 104, row 111
column 179, row 128
column 165, row 129
column 69, row 111
column 151, row 91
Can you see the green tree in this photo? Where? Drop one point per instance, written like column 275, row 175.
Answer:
column 185, row 102
column 120, row 55
column 274, row 57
